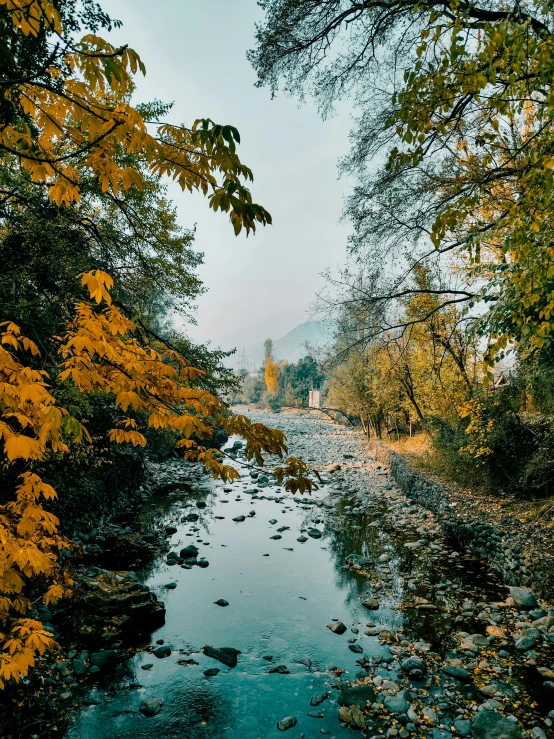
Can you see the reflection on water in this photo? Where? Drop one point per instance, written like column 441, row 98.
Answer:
column 280, row 605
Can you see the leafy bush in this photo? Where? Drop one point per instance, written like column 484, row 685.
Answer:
column 497, row 446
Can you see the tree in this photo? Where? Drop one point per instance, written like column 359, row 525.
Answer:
column 402, row 366
column 66, row 114
column 458, row 97
column 271, row 369
column 67, row 128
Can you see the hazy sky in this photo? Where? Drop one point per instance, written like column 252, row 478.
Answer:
column 195, row 55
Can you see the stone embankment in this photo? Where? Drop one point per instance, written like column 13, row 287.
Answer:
column 515, row 551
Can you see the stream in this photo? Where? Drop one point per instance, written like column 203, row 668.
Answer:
column 283, row 594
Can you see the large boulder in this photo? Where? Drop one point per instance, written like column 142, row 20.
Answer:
column 358, row 695
column 112, row 604
column 493, row 725
column 105, row 658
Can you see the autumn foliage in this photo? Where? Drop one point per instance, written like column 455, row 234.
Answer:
column 66, row 118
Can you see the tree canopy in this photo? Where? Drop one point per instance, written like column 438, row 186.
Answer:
column 456, row 98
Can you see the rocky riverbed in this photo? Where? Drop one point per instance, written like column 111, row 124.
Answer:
column 332, row 614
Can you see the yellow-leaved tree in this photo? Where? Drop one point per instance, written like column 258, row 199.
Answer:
column 65, row 113
column 271, row 369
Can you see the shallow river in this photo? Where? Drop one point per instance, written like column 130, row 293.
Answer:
column 279, row 605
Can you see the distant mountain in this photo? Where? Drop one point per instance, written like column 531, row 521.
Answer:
column 255, row 333
column 291, row 347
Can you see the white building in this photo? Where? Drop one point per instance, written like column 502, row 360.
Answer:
column 315, row 399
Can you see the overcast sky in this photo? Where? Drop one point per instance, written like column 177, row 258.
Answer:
column 195, row 55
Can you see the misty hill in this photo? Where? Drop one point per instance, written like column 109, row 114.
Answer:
column 292, row 346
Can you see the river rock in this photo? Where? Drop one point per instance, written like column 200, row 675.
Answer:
column 396, row 703
column 315, row 714
column 430, row 715
column 104, row 659
column 279, row 670
column 163, row 651
column 352, row 716
column 337, row 627
column 315, row 533
column 151, row 706
column 189, row 552
column 462, row 726
column 318, row 698
column 286, row 723
column 414, row 667
column 371, row 603
column 523, row 598
column 358, row 560
column 492, row 725
column 221, row 602
column 456, row 671
column 212, row 671
column 227, row 655
column 356, row 648
column 239, row 519
column 112, row 604
column 524, row 644
column 358, row 695
column 79, row 667
column 302, row 539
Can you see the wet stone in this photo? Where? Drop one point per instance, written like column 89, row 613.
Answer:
column 286, row 723
column 396, row 703
column 358, row 695
column 493, row 725
column 318, row 698
column 279, row 670
column 456, row 671
column 151, row 706
column 523, row 598
column 227, row 655
column 103, row 659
